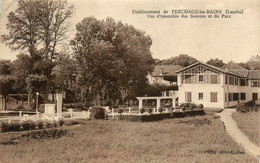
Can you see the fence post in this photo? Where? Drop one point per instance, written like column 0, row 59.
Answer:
column 20, row 113
column 113, row 116
column 70, row 111
column 129, row 108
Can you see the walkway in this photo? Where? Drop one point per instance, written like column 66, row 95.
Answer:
column 236, row 133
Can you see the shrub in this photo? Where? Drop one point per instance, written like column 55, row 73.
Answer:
column 160, row 109
column 55, row 124
column 32, row 125
column 48, row 124
column 120, row 111
column 171, row 108
column 142, row 110
column 4, row 126
column 201, row 106
column 26, row 125
column 149, row 110
column 40, row 124
column 97, row 112
column 60, row 122
column 14, row 126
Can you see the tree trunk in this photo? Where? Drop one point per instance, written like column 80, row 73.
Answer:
column 16, row 98
column 22, row 99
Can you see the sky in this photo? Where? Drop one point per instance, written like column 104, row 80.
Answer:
column 230, row 39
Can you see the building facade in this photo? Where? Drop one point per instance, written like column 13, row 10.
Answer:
column 215, row 87
column 164, row 74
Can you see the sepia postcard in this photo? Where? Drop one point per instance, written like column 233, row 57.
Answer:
column 129, row 81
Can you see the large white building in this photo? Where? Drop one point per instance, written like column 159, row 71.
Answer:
column 215, row 87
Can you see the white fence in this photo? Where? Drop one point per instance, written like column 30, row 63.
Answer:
column 41, row 116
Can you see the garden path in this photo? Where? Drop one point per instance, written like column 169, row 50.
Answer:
column 236, row 133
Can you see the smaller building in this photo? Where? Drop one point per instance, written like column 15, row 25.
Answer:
column 164, row 74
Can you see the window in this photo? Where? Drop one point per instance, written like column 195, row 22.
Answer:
column 200, row 78
column 236, row 81
column 225, row 97
column 242, row 82
column 230, row 97
column 187, row 78
column 213, row 79
column 243, row 96
column 255, row 83
column 187, row 96
column 231, row 80
column 200, row 96
column 235, row 96
column 213, row 97
column 226, row 79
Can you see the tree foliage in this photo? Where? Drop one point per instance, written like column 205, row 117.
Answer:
column 183, row 60
column 38, row 26
column 215, row 62
column 111, row 55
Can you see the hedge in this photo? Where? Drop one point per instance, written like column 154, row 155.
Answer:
column 158, row 117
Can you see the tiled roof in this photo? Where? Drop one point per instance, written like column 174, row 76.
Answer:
column 254, row 74
column 167, row 70
column 226, row 71
column 232, row 66
column 240, row 72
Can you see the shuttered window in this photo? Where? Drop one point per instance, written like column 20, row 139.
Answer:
column 187, row 96
column 213, row 79
column 213, row 97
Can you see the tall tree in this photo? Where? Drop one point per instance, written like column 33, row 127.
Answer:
column 111, row 55
column 37, row 27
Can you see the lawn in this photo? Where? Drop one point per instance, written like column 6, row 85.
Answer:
column 249, row 124
column 171, row 140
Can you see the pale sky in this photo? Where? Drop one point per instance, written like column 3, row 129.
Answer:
column 236, row 38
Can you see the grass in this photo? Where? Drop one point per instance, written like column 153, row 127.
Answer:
column 249, row 124
column 169, row 140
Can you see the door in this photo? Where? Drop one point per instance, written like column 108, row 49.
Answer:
column 254, row 96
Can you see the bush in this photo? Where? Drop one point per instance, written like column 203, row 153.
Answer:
column 201, row 106
column 60, row 122
column 14, row 127
column 149, row 110
column 32, row 125
column 27, row 125
column 97, row 112
column 4, row 126
column 160, row 109
column 40, row 124
column 142, row 110
column 158, row 117
column 120, row 111
column 48, row 124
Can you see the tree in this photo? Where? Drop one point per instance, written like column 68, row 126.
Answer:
column 215, row 62
column 36, row 24
column 6, row 80
column 254, row 62
column 37, row 27
column 111, row 55
column 183, row 60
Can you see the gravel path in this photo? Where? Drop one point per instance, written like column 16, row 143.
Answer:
column 236, row 133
